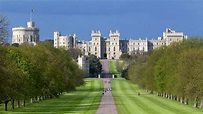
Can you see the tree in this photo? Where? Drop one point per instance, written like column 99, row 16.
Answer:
column 124, row 56
column 3, row 29
column 95, row 66
column 36, row 73
column 75, row 52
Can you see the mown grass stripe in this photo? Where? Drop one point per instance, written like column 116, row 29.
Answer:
column 140, row 101
column 146, row 103
column 141, row 107
column 85, row 100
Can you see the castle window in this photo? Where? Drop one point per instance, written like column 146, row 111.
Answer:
column 114, row 49
column 138, row 43
column 95, row 49
column 109, row 49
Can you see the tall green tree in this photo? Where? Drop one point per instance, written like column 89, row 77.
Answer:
column 95, row 66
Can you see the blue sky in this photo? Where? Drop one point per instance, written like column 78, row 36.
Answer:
column 133, row 18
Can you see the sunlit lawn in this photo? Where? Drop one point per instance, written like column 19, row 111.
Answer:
column 85, row 100
column 128, row 102
column 113, row 70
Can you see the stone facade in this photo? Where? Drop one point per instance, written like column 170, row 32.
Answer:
column 64, row 41
column 113, row 47
column 29, row 34
column 83, row 63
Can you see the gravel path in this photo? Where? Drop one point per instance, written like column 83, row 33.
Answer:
column 107, row 105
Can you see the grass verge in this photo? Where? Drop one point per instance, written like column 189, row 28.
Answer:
column 113, row 69
column 85, row 100
column 128, row 102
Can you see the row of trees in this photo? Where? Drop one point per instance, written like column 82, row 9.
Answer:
column 36, row 72
column 174, row 71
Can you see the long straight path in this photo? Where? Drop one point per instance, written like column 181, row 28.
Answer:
column 105, row 66
column 107, row 105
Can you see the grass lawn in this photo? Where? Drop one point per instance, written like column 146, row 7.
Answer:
column 113, row 70
column 128, row 102
column 85, row 100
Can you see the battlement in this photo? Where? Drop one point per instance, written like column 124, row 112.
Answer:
column 114, row 34
column 96, row 34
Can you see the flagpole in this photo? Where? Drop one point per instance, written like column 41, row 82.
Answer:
column 31, row 11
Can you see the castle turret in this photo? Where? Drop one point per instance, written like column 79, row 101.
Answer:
column 74, row 40
column 96, row 43
column 114, row 45
column 29, row 34
column 56, row 39
column 30, row 24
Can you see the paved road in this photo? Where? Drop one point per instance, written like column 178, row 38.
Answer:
column 105, row 66
column 107, row 105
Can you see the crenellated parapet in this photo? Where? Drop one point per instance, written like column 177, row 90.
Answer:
column 96, row 34
column 114, row 34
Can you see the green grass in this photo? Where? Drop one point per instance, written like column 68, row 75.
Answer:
column 128, row 102
column 113, row 70
column 85, row 100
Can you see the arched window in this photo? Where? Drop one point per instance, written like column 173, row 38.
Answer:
column 114, row 49
column 95, row 49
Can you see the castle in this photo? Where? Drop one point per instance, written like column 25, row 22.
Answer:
column 113, row 47
column 29, row 34
column 104, row 48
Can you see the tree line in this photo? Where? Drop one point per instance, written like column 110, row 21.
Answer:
column 36, row 73
column 174, row 72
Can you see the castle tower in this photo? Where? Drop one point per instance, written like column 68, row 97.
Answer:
column 74, row 41
column 56, row 39
column 114, row 49
column 29, row 34
column 96, row 43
